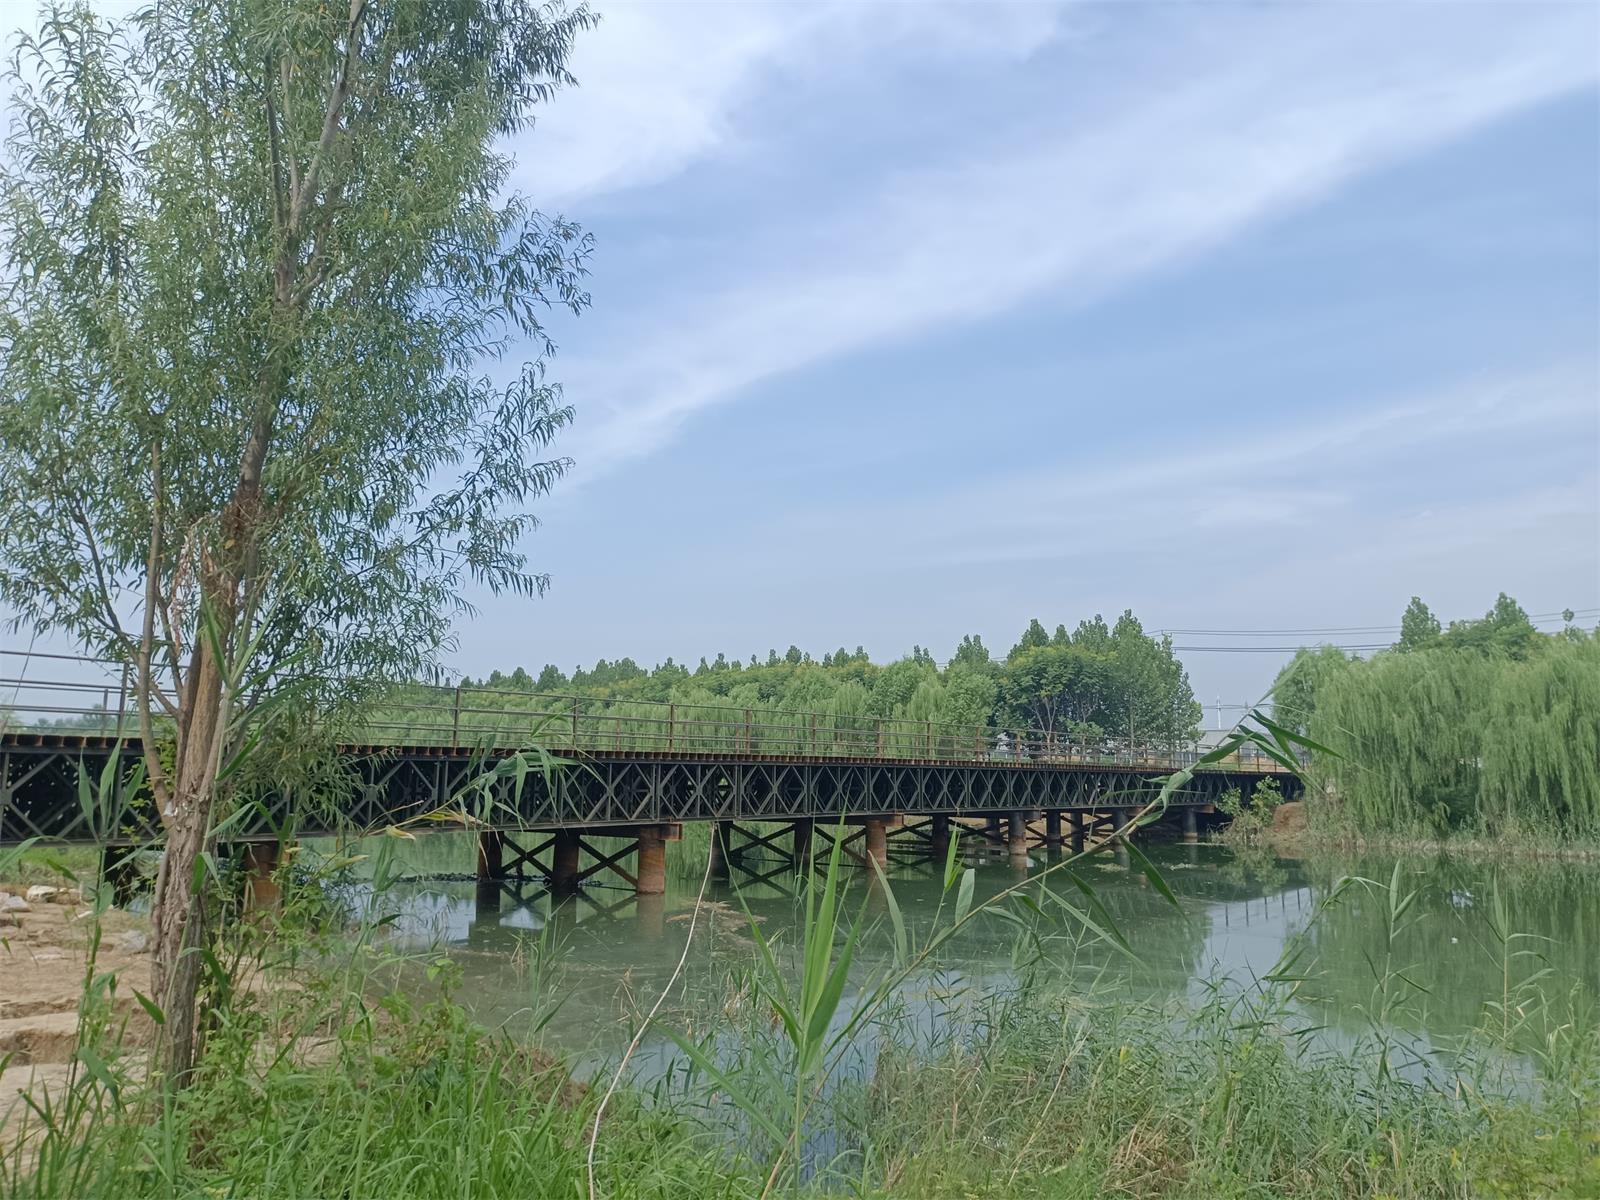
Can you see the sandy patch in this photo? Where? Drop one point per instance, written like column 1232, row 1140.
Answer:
column 44, row 957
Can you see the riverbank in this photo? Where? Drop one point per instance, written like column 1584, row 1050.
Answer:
column 1295, row 831
column 338, row 1081
column 48, row 938
column 1051, row 1098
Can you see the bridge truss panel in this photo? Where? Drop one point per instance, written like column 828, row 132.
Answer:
column 40, row 792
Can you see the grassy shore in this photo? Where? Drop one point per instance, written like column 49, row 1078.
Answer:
column 1317, row 827
column 323, row 1076
column 1056, row 1100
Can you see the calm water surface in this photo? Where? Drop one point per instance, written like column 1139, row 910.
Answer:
column 608, row 954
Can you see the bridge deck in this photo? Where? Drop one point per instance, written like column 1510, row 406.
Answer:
column 601, row 787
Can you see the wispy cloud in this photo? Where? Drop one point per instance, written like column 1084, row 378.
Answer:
column 1310, row 477
column 663, row 86
column 1246, row 119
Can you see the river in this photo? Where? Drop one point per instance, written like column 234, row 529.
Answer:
column 583, row 972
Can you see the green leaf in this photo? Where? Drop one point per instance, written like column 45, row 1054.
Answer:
column 151, row 1008
column 99, row 1071
column 827, row 1005
column 1097, row 919
column 1289, row 736
column 964, row 895
column 1155, row 878
column 727, row 1083
column 952, row 857
column 901, row 942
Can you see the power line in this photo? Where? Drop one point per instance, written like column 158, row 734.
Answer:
column 1278, row 649
column 1277, row 632
column 1537, row 618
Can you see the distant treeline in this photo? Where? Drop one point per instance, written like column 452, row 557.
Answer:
column 1487, row 728
column 1097, row 681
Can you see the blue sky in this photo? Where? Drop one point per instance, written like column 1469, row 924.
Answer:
column 913, row 321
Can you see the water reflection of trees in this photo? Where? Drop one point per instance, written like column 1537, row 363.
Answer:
column 613, row 948
column 1451, row 949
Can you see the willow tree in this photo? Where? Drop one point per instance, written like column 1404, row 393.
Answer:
column 261, row 261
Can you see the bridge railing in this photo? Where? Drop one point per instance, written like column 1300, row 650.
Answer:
column 95, row 699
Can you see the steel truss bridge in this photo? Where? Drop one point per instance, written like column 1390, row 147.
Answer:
column 631, row 770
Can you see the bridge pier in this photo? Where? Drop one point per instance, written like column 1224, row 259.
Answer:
column 939, row 835
column 1052, row 832
column 1121, row 841
column 800, row 849
column 650, row 915
column 261, row 890
column 119, row 871
column 491, row 870
column 1017, row 837
column 877, row 838
column 1191, row 826
column 721, row 851
column 564, row 852
column 651, row 865
column 1075, row 820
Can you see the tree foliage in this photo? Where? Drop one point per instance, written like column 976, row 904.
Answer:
column 1295, row 692
column 1117, row 682
column 1489, row 728
column 1419, row 628
column 257, row 257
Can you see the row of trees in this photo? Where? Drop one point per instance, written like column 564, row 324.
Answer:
column 1098, row 681
column 1486, row 727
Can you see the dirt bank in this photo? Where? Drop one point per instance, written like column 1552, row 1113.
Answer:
column 45, row 940
column 1288, row 834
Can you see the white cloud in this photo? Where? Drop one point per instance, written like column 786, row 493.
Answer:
column 1270, row 111
column 1307, row 478
column 662, row 86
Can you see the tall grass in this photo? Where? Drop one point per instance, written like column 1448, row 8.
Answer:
column 343, row 1085
column 1059, row 1099
column 332, row 1079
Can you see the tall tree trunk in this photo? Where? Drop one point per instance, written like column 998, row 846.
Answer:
column 178, row 912
column 227, row 581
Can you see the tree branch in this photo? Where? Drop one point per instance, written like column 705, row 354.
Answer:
column 280, row 208
column 330, row 121
column 288, row 119
column 81, row 519
column 152, row 757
